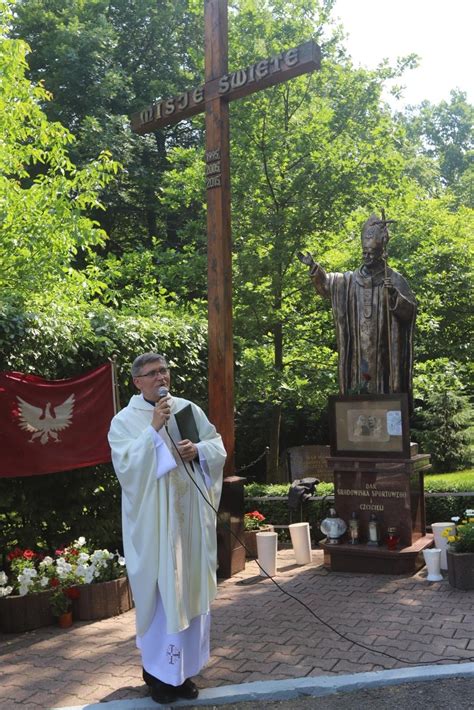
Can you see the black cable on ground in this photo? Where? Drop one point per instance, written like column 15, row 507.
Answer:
column 455, row 659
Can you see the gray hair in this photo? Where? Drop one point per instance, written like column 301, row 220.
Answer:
column 142, row 360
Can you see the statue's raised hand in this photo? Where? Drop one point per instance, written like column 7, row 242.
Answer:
column 306, row 259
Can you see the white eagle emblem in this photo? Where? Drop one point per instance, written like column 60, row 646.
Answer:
column 45, row 422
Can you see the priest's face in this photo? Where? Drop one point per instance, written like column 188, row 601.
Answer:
column 153, row 376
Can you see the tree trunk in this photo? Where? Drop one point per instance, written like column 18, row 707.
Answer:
column 274, row 474
column 273, row 457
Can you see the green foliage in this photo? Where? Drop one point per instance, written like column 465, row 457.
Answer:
column 464, row 538
column 103, row 61
column 443, row 420
column 255, row 490
column 43, row 196
column 455, row 482
column 443, row 134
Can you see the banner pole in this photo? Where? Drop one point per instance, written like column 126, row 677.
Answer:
column 115, row 387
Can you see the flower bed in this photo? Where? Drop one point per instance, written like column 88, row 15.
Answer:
column 39, row 587
column 25, row 613
column 99, row 601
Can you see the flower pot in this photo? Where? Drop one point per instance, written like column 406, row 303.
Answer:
column 25, row 613
column 461, row 569
column 65, row 620
column 432, row 559
column 301, row 541
column 250, row 540
column 100, row 600
column 267, row 546
column 441, row 542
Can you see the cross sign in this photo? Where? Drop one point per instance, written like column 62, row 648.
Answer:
column 213, row 98
column 173, row 653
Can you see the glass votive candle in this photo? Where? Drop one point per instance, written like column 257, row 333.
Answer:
column 392, row 538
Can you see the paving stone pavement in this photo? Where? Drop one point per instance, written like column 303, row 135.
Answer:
column 258, row 633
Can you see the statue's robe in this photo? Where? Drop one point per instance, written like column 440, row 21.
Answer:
column 169, row 531
column 363, row 322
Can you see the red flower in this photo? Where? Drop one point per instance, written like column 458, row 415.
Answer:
column 54, row 582
column 255, row 514
column 17, row 552
column 29, row 554
column 58, row 553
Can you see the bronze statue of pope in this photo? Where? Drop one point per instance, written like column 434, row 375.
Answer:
column 374, row 313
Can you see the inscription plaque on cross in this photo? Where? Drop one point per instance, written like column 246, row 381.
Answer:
column 213, row 98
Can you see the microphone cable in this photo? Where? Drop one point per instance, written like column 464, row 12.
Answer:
column 455, row 659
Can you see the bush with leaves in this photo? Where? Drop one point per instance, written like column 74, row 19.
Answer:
column 443, row 417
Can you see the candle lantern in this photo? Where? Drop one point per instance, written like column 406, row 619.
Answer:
column 374, row 530
column 354, row 528
column 333, row 527
column 392, row 538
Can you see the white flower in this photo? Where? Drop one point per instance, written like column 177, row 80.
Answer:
column 80, row 542
column 83, row 557
column 27, row 575
column 81, row 571
column 44, row 581
column 3, row 579
column 46, row 562
column 5, row 591
column 63, row 567
column 121, row 561
column 89, row 576
column 23, row 590
column 456, row 519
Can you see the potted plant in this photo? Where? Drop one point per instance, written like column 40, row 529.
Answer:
column 61, row 602
column 254, row 522
column 460, row 553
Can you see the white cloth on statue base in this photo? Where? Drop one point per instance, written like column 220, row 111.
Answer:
column 172, row 658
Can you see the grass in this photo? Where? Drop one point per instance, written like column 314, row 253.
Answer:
column 450, row 482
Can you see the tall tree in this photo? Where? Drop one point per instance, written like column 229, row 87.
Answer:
column 101, row 61
column 43, row 196
column 444, row 133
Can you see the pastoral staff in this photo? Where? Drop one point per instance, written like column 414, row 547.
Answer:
column 169, row 528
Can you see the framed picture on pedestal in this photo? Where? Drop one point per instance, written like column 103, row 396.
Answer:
column 375, row 426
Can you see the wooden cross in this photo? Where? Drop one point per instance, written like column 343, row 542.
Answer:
column 213, row 97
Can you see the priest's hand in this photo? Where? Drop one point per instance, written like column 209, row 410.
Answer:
column 161, row 413
column 188, row 451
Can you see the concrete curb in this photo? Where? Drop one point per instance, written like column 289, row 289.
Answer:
column 296, row 687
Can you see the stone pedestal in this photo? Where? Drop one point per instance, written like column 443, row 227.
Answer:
column 230, row 553
column 393, row 490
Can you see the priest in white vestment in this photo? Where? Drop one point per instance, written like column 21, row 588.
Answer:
column 169, row 528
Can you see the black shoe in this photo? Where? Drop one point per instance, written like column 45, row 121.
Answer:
column 148, row 677
column 163, row 693
column 187, row 690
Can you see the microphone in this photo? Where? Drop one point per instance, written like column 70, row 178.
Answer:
column 163, row 392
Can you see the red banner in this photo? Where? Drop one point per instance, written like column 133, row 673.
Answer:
column 54, row 425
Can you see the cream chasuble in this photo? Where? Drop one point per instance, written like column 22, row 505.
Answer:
column 169, row 531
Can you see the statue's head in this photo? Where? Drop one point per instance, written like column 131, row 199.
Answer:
column 374, row 238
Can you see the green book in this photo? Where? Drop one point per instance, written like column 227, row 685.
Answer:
column 187, row 424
